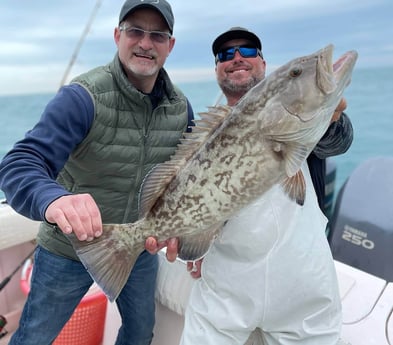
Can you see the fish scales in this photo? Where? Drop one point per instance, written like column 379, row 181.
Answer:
column 233, row 157
column 215, row 180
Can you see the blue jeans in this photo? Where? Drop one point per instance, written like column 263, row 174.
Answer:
column 57, row 286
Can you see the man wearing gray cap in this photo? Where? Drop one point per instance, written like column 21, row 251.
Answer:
column 82, row 165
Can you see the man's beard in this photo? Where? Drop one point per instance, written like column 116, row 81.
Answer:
column 234, row 88
column 142, row 70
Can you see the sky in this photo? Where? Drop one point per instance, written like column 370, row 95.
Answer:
column 39, row 38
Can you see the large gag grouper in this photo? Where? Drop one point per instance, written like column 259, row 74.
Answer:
column 232, row 157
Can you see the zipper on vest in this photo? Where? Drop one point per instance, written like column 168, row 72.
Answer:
column 139, row 178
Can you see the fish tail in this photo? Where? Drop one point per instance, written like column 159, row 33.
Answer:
column 109, row 258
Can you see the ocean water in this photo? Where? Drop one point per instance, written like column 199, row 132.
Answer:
column 369, row 99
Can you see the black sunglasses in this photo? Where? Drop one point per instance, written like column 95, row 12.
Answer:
column 227, row 54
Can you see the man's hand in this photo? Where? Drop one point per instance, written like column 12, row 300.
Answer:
column 76, row 213
column 340, row 108
column 195, row 268
column 152, row 246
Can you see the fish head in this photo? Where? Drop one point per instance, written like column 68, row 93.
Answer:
column 315, row 84
column 301, row 96
column 294, row 104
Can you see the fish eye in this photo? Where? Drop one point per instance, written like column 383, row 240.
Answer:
column 295, row 72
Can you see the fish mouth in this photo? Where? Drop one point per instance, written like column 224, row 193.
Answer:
column 345, row 64
column 329, row 74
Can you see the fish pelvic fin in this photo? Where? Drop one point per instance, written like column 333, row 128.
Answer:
column 195, row 246
column 295, row 187
column 109, row 259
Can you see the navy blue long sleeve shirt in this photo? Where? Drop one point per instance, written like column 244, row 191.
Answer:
column 28, row 171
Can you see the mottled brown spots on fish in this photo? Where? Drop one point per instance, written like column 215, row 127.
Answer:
column 203, row 182
column 176, row 222
column 205, row 164
column 250, row 109
column 157, row 207
column 173, row 185
column 244, row 124
column 118, row 255
column 223, row 181
column 191, row 178
column 239, row 164
column 198, row 214
column 227, row 140
column 228, row 159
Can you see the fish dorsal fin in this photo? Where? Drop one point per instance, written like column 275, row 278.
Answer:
column 210, row 120
column 204, row 127
column 157, row 180
column 295, row 187
column 155, row 183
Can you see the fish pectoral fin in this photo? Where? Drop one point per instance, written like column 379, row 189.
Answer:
column 295, row 187
column 195, row 246
column 107, row 258
column 294, row 155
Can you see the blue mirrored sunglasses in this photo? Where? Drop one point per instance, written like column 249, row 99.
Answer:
column 245, row 51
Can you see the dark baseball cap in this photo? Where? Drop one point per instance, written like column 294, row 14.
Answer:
column 161, row 6
column 235, row 33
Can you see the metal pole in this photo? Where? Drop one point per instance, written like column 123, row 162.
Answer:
column 80, row 42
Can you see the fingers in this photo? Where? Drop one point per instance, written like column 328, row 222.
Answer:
column 342, row 105
column 153, row 247
column 339, row 109
column 172, row 249
column 190, row 266
column 76, row 213
column 195, row 268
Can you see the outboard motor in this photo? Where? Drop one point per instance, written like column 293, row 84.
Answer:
column 361, row 230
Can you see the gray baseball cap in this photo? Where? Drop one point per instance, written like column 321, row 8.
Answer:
column 161, row 6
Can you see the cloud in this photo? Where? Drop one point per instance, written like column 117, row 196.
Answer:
column 39, row 37
column 185, row 75
column 15, row 49
column 30, row 78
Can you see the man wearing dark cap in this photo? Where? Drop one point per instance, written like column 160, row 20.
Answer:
column 83, row 164
column 339, row 135
column 269, row 278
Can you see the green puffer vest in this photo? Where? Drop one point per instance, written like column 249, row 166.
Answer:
column 127, row 138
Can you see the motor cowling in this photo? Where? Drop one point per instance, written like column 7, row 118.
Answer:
column 361, row 228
